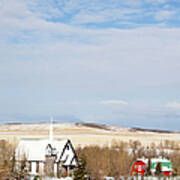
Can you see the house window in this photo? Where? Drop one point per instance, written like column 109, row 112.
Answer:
column 37, row 167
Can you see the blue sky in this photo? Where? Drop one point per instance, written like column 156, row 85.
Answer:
column 111, row 62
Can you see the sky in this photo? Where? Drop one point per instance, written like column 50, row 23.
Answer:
column 114, row 62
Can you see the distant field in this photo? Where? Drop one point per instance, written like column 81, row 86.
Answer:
column 85, row 134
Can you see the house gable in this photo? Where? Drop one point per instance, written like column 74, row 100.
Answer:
column 50, row 151
column 68, row 155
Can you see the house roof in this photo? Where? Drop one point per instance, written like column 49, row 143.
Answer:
column 35, row 150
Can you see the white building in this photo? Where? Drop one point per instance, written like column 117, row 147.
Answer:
column 47, row 157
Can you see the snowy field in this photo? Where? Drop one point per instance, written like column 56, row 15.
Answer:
column 67, row 178
column 82, row 135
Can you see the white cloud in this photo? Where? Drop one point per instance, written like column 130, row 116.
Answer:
column 97, row 5
column 173, row 105
column 114, row 102
column 44, row 63
column 47, row 9
column 164, row 15
column 156, row 1
column 107, row 15
column 133, row 3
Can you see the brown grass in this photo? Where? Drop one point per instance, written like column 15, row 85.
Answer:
column 82, row 135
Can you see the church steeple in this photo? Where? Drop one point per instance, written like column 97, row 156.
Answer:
column 51, row 130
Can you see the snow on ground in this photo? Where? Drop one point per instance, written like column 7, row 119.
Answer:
column 123, row 178
column 53, row 178
column 83, row 135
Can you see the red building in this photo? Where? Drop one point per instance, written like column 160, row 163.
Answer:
column 138, row 168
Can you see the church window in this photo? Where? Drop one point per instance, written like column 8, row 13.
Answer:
column 30, row 166
column 37, row 167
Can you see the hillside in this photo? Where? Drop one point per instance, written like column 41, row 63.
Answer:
column 83, row 134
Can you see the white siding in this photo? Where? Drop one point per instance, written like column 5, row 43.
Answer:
column 33, row 167
column 55, row 169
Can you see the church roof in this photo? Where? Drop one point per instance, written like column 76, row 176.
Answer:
column 35, row 150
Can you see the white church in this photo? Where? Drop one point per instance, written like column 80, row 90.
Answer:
column 47, row 157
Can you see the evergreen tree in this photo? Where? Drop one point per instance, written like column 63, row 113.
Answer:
column 80, row 172
column 149, row 167
column 158, row 169
column 13, row 162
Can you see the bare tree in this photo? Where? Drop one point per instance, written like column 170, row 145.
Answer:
column 6, row 154
column 20, row 164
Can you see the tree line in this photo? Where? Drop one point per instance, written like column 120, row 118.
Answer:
column 8, row 164
column 114, row 160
